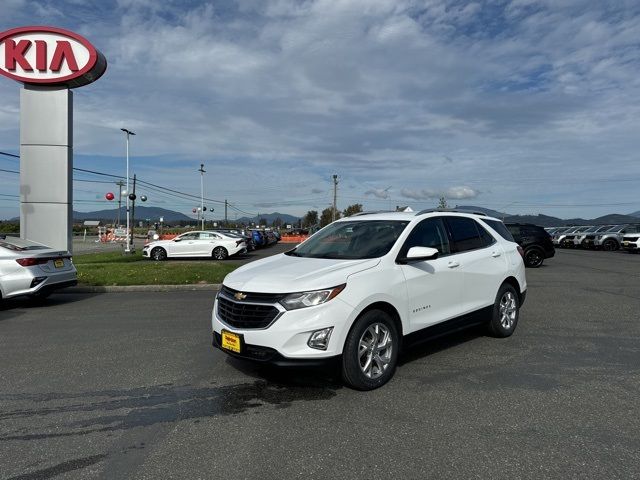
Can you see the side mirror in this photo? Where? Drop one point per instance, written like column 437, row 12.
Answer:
column 177, row 239
column 418, row 254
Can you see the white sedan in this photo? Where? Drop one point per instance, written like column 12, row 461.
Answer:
column 195, row 244
column 33, row 269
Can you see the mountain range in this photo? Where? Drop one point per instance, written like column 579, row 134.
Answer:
column 170, row 216
column 548, row 221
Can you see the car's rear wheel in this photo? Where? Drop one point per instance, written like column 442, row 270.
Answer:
column 610, row 245
column 220, row 253
column 370, row 353
column 159, row 254
column 506, row 311
column 533, row 257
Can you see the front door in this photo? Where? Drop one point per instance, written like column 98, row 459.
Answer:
column 433, row 286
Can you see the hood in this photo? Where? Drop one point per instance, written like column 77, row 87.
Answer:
column 158, row 243
column 285, row 274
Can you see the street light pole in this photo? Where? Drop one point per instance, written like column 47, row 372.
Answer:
column 202, row 170
column 127, row 247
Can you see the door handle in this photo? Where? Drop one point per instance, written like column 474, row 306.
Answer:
column 453, row 264
column 496, row 254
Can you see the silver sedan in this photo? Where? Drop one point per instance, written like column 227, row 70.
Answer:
column 33, row 269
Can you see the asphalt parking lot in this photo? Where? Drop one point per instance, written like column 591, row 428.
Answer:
column 127, row 385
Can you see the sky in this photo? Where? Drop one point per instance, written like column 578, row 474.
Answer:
column 524, row 106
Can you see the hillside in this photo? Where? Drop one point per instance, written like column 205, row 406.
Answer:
column 152, row 213
column 269, row 217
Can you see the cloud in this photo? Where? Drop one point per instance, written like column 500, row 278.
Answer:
column 458, row 193
column 375, row 91
column 378, row 192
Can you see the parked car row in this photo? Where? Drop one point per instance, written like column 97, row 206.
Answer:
column 210, row 244
column 217, row 244
column 597, row 237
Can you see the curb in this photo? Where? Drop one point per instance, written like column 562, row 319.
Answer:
column 212, row 287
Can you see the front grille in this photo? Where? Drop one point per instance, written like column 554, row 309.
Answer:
column 569, row 237
column 245, row 315
column 591, row 237
column 629, row 239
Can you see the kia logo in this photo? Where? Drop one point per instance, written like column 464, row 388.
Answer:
column 49, row 56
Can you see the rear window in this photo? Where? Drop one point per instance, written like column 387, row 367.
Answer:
column 499, row 227
column 19, row 245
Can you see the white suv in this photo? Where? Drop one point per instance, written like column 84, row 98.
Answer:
column 366, row 285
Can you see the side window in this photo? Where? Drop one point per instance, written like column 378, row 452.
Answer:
column 499, row 227
column 486, row 237
column 189, row 236
column 428, row 233
column 205, row 236
column 464, row 234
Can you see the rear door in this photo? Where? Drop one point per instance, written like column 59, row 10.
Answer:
column 433, row 286
column 481, row 259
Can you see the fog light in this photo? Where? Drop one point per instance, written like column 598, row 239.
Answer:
column 320, row 338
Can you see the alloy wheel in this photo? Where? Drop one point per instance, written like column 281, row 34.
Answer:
column 508, row 310
column 375, row 348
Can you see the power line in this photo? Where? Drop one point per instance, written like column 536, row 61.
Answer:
column 97, row 173
column 9, row 154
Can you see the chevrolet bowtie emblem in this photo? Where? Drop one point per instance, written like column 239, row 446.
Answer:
column 240, row 296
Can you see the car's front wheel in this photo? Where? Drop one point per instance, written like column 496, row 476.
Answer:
column 159, row 254
column 370, row 353
column 220, row 253
column 610, row 245
column 506, row 311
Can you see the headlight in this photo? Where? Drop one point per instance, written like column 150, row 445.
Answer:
column 310, row 299
column 598, row 237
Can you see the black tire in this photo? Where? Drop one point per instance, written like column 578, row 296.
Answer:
column 220, row 253
column 610, row 245
column 376, row 329
column 159, row 254
column 533, row 257
column 506, row 311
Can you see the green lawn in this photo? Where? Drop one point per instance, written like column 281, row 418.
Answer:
column 115, row 268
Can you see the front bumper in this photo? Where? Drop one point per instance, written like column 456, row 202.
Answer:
column 270, row 356
column 285, row 340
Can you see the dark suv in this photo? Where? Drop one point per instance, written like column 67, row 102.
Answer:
column 534, row 240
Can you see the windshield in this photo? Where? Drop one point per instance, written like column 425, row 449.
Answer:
column 352, row 240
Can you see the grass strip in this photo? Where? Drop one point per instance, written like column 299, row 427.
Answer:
column 114, row 268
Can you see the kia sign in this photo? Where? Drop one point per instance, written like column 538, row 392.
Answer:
column 49, row 56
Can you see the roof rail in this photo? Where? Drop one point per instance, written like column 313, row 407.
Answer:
column 371, row 213
column 448, row 210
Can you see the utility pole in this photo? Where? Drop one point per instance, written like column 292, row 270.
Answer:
column 335, row 197
column 225, row 212
column 202, row 170
column 120, row 184
column 127, row 248
column 133, row 207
